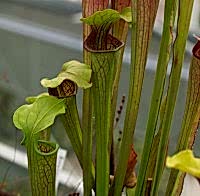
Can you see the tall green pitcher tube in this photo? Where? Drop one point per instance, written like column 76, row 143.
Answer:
column 42, row 167
column 33, row 119
column 104, row 57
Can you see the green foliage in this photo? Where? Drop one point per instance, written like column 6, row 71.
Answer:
column 126, row 14
column 103, row 61
column 73, row 70
column 142, row 27
column 107, row 17
column 104, row 40
column 102, row 17
column 32, row 99
column 33, row 118
column 191, row 118
column 175, row 75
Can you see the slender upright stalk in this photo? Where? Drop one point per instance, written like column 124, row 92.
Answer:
column 104, row 50
column 89, row 7
column 120, row 31
column 72, row 75
column 185, row 10
column 88, row 182
column 68, row 89
column 142, row 25
column 163, row 60
column 190, row 121
column 191, row 114
column 103, row 66
column 72, row 126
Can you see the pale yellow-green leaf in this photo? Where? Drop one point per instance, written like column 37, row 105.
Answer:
column 101, row 17
column 32, row 99
column 75, row 71
column 186, row 162
column 36, row 117
column 126, row 14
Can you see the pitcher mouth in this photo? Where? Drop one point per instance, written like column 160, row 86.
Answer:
column 66, row 89
column 196, row 50
column 112, row 44
column 46, row 148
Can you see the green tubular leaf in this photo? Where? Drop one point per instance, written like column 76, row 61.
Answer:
column 103, row 49
column 73, row 129
column 72, row 126
column 120, row 31
column 191, row 114
column 42, row 167
column 75, row 71
column 89, row 6
column 80, row 74
column 164, row 54
column 185, row 10
column 88, row 167
column 141, row 34
column 39, row 115
column 61, row 86
column 103, row 65
column 101, row 23
column 87, row 127
column 190, row 119
column 33, row 119
column 185, row 162
column 153, row 153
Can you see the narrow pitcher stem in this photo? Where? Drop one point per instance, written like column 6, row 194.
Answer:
column 103, row 64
